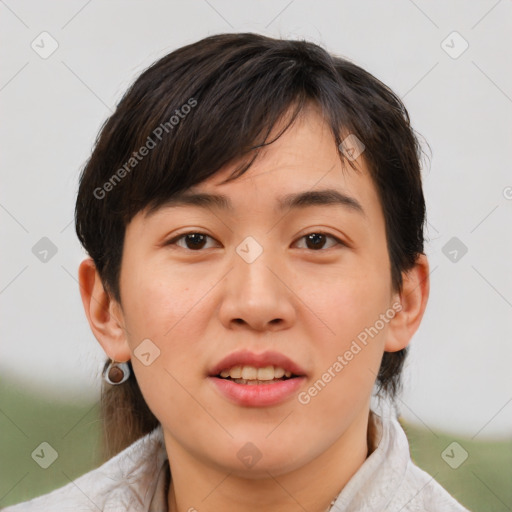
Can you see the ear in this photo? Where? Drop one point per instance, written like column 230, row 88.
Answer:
column 103, row 313
column 413, row 300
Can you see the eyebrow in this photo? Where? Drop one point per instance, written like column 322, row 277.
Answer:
column 325, row 197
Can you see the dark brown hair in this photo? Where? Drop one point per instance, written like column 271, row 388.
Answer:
column 215, row 102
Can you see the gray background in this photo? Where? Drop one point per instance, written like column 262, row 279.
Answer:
column 458, row 373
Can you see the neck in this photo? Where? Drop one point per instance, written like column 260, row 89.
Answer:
column 197, row 486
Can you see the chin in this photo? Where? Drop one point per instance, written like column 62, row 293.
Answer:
column 265, row 467
column 257, row 456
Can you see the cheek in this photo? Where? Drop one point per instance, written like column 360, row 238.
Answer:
column 157, row 302
column 354, row 302
column 164, row 308
column 352, row 347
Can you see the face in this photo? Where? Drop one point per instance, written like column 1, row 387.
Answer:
column 302, row 281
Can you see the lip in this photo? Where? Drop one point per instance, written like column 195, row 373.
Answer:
column 257, row 395
column 268, row 358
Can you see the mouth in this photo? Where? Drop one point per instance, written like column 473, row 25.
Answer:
column 257, row 380
column 245, row 367
column 252, row 375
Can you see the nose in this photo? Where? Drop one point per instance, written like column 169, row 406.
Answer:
column 256, row 295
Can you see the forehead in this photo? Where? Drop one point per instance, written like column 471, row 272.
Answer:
column 302, row 168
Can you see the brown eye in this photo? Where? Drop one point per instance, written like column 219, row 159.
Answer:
column 316, row 241
column 195, row 240
column 192, row 240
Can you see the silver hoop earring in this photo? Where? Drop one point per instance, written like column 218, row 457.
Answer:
column 117, row 373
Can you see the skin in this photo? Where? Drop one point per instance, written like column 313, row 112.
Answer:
column 199, row 305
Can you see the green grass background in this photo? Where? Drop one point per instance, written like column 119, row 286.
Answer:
column 482, row 483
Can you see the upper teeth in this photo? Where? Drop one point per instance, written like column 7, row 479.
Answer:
column 253, row 373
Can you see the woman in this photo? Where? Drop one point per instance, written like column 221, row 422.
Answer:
column 253, row 212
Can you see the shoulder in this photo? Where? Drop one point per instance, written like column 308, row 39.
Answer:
column 117, row 484
column 419, row 491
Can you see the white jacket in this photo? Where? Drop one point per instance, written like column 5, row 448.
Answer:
column 137, row 480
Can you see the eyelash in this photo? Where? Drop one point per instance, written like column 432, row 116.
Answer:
column 174, row 240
